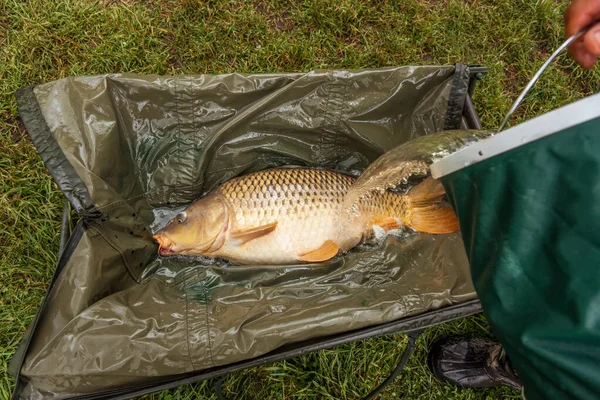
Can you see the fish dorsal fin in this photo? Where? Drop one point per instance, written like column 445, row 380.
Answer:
column 328, row 250
column 245, row 235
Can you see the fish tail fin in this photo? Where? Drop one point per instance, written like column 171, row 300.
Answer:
column 428, row 214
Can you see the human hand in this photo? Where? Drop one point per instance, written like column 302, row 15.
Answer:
column 579, row 14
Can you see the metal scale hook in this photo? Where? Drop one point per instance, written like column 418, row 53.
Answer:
column 541, row 70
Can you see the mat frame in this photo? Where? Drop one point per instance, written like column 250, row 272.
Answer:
column 412, row 326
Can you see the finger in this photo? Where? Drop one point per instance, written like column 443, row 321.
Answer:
column 591, row 41
column 583, row 57
column 586, row 60
column 579, row 14
column 578, row 52
column 576, row 49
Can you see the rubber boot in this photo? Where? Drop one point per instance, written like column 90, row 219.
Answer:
column 471, row 362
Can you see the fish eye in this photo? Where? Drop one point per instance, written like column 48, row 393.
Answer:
column 181, row 217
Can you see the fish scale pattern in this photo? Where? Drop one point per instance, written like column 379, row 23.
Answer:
column 379, row 205
column 267, row 196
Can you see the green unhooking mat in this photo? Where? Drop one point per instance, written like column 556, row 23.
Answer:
column 528, row 202
column 128, row 152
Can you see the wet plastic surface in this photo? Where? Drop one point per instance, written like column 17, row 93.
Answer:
column 130, row 151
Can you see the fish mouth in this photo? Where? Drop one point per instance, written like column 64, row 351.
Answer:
column 165, row 245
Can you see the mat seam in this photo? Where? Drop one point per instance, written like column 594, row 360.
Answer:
column 187, row 331
column 208, row 327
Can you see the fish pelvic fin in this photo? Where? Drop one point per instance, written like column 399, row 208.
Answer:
column 242, row 236
column 429, row 214
column 328, row 250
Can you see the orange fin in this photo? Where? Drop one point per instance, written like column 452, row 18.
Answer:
column 428, row 192
column 435, row 220
column 428, row 213
column 246, row 235
column 387, row 223
column 328, row 250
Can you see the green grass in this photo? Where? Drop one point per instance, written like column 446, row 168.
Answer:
column 45, row 40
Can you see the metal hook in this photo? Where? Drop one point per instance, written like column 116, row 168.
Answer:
column 541, row 70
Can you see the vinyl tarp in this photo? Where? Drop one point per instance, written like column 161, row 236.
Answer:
column 129, row 151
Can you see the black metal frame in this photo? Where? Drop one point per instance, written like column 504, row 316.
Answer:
column 412, row 326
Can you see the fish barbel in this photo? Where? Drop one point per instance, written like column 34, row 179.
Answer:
column 296, row 215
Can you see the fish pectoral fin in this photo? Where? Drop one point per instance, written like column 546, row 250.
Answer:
column 387, row 223
column 328, row 250
column 245, row 235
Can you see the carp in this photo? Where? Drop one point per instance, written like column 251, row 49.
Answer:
column 288, row 215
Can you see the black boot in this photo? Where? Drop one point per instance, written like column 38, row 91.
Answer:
column 471, row 362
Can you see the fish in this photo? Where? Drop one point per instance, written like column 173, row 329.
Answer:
column 289, row 215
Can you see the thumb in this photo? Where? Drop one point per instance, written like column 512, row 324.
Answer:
column 591, row 41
